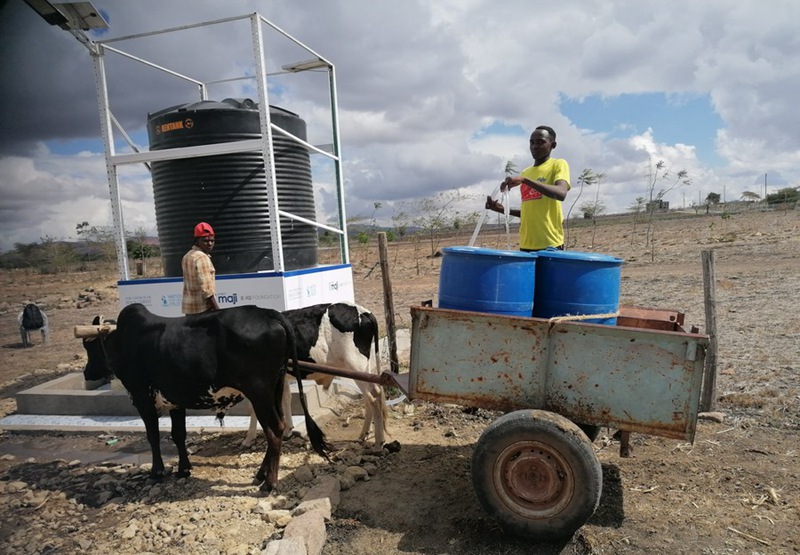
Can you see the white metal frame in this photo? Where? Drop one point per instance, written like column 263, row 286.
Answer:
column 264, row 144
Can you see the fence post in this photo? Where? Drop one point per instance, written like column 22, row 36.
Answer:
column 388, row 303
column 709, row 398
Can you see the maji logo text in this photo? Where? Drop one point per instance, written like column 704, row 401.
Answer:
column 228, row 299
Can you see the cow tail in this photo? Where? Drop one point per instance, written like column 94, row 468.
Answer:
column 315, row 434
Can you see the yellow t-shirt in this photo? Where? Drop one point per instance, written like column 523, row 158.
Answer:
column 541, row 218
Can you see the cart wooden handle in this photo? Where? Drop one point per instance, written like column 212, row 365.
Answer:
column 86, row 332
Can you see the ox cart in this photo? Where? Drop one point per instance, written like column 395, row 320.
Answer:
column 534, row 468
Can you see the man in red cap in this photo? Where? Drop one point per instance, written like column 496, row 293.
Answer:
column 199, row 289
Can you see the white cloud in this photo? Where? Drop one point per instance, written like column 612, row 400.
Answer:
column 49, row 194
column 417, row 82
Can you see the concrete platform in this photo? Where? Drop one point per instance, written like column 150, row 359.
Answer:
column 62, row 404
column 77, row 423
column 66, row 396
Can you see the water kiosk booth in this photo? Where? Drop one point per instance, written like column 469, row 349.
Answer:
column 238, row 163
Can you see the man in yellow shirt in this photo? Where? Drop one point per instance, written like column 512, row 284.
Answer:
column 199, row 289
column 543, row 187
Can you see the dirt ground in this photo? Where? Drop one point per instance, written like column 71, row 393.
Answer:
column 734, row 490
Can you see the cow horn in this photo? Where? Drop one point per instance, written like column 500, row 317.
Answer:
column 86, row 332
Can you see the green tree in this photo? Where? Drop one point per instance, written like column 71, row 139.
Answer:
column 357, row 232
column 590, row 211
column 24, row 255
column 32, row 253
column 433, row 217
column 99, row 238
column 660, row 176
column 138, row 246
column 374, row 223
column 326, row 239
column 464, row 221
column 784, row 196
column 713, row 198
column 140, row 249
column 362, row 237
column 59, row 256
column 587, row 178
column 401, row 221
column 636, row 208
column 456, row 223
column 749, row 196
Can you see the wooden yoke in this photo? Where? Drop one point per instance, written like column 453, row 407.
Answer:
column 87, row 332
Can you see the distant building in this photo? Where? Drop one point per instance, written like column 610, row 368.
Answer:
column 657, row 206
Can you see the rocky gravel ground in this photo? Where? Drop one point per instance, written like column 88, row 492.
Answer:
column 734, row 490
column 67, row 506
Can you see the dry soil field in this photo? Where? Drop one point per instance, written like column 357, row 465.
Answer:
column 734, row 490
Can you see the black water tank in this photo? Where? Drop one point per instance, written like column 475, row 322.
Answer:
column 229, row 191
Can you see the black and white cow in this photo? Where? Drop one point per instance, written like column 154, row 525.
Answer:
column 202, row 361
column 341, row 335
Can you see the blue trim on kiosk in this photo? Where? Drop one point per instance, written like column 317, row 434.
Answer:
column 256, row 275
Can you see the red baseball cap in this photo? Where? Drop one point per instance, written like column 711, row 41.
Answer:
column 203, row 230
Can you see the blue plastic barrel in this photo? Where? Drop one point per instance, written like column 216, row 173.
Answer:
column 573, row 283
column 487, row 280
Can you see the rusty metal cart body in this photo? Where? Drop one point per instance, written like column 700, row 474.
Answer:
column 534, row 469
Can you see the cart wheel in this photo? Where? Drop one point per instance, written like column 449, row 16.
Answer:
column 536, row 472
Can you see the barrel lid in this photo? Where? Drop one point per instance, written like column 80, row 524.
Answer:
column 578, row 255
column 480, row 251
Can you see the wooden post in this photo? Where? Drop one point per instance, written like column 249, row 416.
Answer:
column 709, row 399
column 388, row 303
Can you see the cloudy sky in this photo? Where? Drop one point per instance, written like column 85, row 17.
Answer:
column 433, row 97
